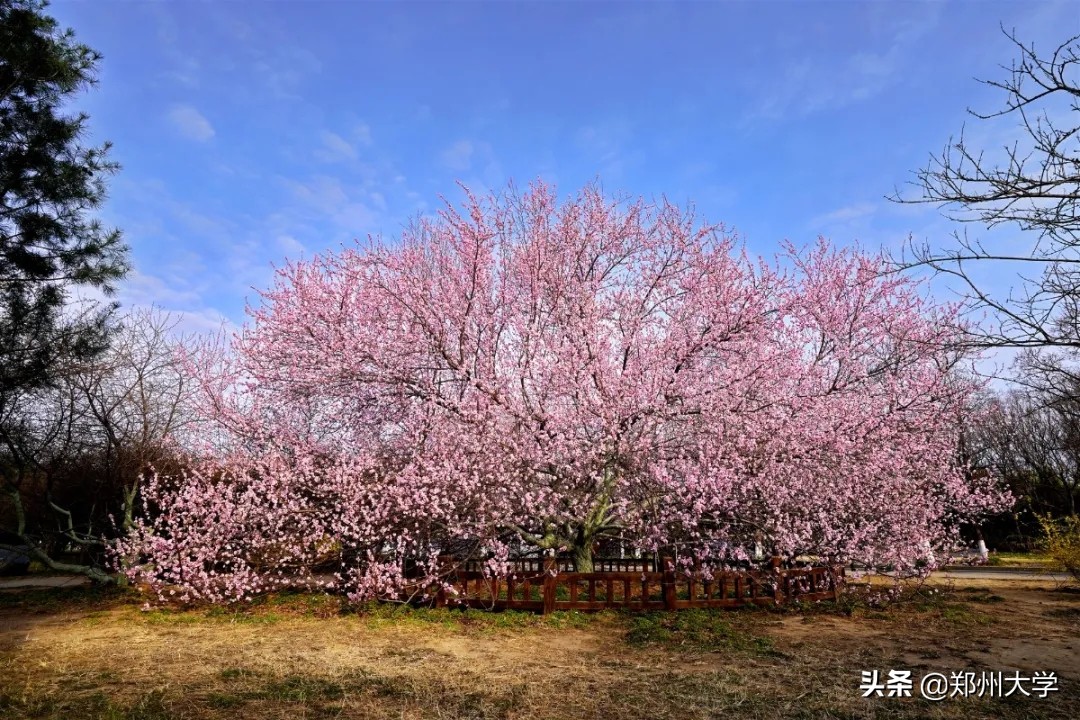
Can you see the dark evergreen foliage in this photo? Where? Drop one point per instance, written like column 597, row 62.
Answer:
column 50, row 183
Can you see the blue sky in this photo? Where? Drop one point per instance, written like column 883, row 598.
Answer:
column 251, row 132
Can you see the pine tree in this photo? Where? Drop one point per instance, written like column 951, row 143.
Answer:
column 50, row 184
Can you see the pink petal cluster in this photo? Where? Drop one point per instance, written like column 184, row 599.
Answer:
column 522, row 374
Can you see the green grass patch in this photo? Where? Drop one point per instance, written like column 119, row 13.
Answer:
column 280, row 606
column 96, row 706
column 237, row 673
column 960, row 614
column 1020, row 559
column 301, row 689
column 223, row 701
column 377, row 615
column 984, row 597
column 708, row 630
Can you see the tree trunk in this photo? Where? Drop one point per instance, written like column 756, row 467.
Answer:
column 583, row 557
column 96, row 574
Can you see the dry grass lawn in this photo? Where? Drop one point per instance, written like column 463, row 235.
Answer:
column 85, row 655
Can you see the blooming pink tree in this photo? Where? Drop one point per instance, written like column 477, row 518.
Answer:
column 522, row 373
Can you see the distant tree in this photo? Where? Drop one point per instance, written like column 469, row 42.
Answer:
column 138, row 399
column 1035, row 186
column 49, row 182
column 1033, row 442
column 76, row 449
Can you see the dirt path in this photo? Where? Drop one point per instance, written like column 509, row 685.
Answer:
column 43, row 581
column 992, row 626
column 983, row 572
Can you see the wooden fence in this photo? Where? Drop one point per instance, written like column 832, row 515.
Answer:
column 547, row 585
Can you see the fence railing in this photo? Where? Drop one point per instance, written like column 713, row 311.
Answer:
column 547, row 585
column 537, row 565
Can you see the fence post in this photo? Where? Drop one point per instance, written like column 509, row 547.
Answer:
column 778, row 588
column 550, row 568
column 838, row 579
column 668, row 584
column 445, row 568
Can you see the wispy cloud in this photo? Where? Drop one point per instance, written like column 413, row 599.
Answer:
column 335, row 148
column 142, row 288
column 281, row 66
column 458, row 156
column 184, row 67
column 844, row 214
column 322, row 199
column 362, row 134
column 607, row 145
column 475, row 164
column 822, row 81
column 204, row 322
column 291, row 247
column 191, row 123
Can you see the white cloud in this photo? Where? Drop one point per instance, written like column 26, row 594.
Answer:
column 608, row 145
column 280, row 66
column 171, row 294
column 184, row 66
column 362, row 134
column 458, row 156
column 191, row 123
column 322, row 191
column 202, row 321
column 291, row 247
column 141, row 288
column 845, row 214
column 335, row 148
column 819, row 82
column 350, row 210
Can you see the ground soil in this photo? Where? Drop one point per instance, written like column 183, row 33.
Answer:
column 90, row 656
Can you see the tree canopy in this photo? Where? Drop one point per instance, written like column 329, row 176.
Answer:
column 521, row 374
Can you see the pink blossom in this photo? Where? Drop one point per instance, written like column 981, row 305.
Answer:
column 523, row 374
